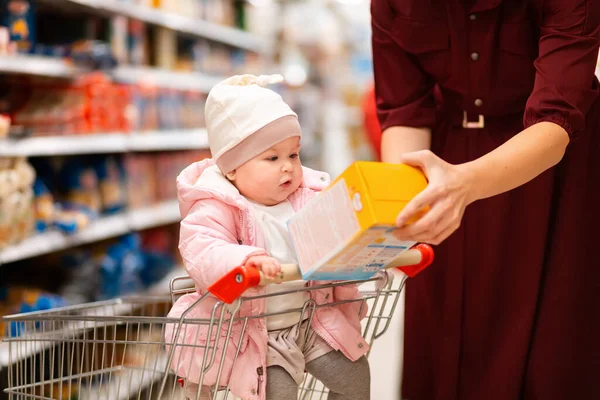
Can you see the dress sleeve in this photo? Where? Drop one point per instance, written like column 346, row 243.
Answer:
column 565, row 86
column 403, row 90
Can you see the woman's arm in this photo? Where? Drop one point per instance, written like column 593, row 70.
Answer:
column 399, row 140
column 519, row 160
column 452, row 188
column 405, row 100
column 563, row 93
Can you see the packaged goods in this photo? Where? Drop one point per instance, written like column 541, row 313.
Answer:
column 346, row 231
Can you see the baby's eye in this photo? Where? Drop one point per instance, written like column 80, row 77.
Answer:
column 295, row 155
column 273, row 158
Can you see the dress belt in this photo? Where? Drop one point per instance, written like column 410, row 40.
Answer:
column 469, row 120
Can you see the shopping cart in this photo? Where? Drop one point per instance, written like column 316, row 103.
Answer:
column 117, row 350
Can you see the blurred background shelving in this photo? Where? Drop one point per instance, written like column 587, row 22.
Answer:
column 101, row 107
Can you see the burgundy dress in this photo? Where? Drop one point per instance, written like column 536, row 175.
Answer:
column 511, row 307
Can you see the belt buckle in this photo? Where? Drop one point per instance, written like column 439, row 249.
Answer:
column 471, row 124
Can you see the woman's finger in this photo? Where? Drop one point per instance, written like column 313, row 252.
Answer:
column 427, row 236
column 427, row 197
column 430, row 225
column 444, row 234
column 416, row 158
column 447, row 226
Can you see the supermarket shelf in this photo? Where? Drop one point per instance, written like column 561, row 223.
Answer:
column 101, row 229
column 63, row 145
column 190, row 26
column 60, row 68
column 36, row 65
column 165, row 78
column 50, row 242
column 150, row 217
column 196, row 139
column 160, row 288
column 185, row 139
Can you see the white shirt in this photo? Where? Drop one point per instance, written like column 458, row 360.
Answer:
column 272, row 220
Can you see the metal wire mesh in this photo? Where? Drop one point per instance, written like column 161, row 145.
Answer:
column 116, row 349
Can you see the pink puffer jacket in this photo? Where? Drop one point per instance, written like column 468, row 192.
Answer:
column 218, row 234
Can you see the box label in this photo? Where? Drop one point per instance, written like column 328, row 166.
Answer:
column 324, row 227
column 362, row 258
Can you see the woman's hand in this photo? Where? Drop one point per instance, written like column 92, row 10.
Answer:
column 447, row 195
column 268, row 265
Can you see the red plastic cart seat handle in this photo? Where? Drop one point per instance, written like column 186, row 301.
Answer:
column 232, row 285
column 427, row 257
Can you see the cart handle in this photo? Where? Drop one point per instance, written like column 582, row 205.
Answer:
column 231, row 286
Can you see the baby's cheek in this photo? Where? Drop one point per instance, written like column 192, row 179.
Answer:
column 300, row 175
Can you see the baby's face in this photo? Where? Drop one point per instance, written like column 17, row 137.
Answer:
column 272, row 176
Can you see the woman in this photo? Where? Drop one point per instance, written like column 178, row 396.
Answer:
column 503, row 93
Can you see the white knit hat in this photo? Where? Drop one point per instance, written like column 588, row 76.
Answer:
column 239, row 107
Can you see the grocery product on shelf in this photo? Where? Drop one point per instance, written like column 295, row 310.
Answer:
column 67, row 195
column 93, row 104
column 23, row 221
column 218, row 59
column 165, row 109
column 92, row 54
column 16, row 197
column 138, row 53
column 120, row 269
column 160, row 251
column 141, row 180
column 50, row 214
column 83, row 282
column 152, row 178
column 79, row 185
column 89, row 104
column 19, row 17
column 126, row 265
column 215, row 11
column 43, row 205
column 4, row 125
column 112, row 183
column 96, row 84
column 6, row 46
column 21, row 299
column 123, row 267
column 169, row 165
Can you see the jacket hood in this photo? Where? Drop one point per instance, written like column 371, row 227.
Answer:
column 204, row 179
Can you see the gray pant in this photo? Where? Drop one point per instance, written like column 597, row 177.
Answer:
column 346, row 380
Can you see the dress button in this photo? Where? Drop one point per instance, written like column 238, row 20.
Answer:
column 478, row 102
column 473, row 17
column 360, row 345
column 323, row 179
column 253, row 391
column 474, row 56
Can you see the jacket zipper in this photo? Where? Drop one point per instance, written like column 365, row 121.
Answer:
column 327, row 339
column 260, row 373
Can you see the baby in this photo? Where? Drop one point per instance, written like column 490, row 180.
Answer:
column 235, row 207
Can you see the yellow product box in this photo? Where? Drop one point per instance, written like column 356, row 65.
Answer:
column 345, row 231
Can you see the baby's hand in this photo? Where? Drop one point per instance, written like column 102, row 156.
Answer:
column 268, row 265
